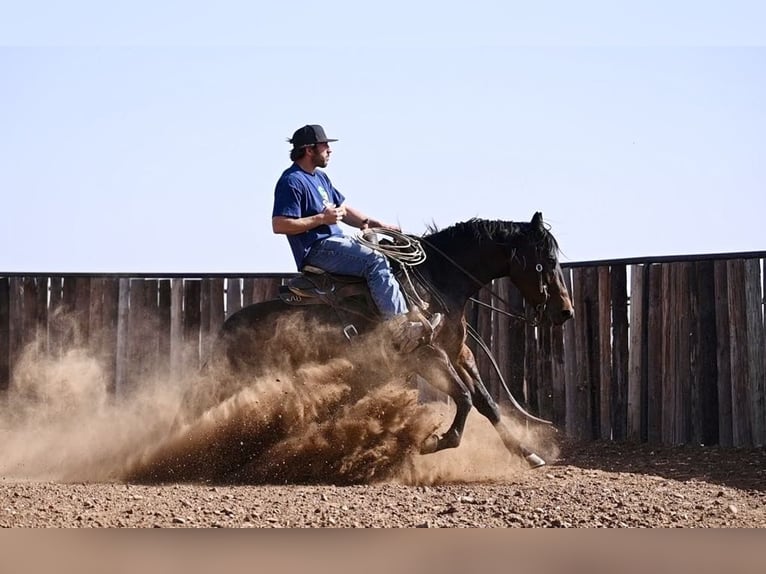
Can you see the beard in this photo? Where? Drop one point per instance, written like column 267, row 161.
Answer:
column 320, row 160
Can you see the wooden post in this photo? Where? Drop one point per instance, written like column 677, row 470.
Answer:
column 215, row 313
column 5, row 321
column 96, row 315
column 756, row 353
column 620, row 358
column 654, row 358
column 637, row 352
column 204, row 318
column 248, row 291
column 81, row 310
column 669, row 352
column 545, row 372
column 581, row 386
column 724, row 390
column 604, row 305
column 682, row 418
column 41, row 320
column 163, row 365
column 110, row 316
column 592, row 353
column 705, row 367
column 29, row 314
column 559, row 364
column 136, row 334
column 738, row 347
column 233, row 295
column 531, row 374
column 571, row 380
column 55, row 312
column 558, row 375
column 192, row 322
column 15, row 330
column 176, row 327
column 121, row 358
column 151, row 321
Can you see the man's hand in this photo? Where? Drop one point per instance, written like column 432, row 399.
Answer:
column 332, row 214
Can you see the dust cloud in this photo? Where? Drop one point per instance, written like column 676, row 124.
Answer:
column 320, row 423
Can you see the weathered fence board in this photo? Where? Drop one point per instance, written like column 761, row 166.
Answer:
column 620, row 351
column 558, row 375
column 233, row 295
column 176, row 326
column 738, row 346
column 637, row 359
column 545, row 374
column 571, row 394
column 192, row 322
column 604, row 302
column 5, row 339
column 654, row 353
column 723, row 355
column 581, row 383
column 756, row 351
column 123, row 300
column 704, row 400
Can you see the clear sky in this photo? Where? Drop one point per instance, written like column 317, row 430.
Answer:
column 148, row 136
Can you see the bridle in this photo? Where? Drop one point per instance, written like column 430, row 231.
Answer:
column 539, row 309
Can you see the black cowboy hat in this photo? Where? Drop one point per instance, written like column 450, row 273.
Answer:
column 309, row 135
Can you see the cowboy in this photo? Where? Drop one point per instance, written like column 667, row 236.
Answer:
column 308, row 209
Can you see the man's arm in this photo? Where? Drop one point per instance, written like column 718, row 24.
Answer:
column 356, row 218
column 295, row 225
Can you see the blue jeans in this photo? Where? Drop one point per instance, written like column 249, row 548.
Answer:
column 343, row 255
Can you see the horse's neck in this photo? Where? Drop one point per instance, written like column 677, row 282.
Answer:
column 459, row 277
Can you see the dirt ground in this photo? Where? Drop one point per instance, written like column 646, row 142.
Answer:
column 310, row 450
column 596, row 485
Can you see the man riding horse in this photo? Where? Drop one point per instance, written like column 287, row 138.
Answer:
column 308, row 208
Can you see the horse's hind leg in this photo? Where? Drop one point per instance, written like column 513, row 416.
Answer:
column 442, row 375
column 487, row 406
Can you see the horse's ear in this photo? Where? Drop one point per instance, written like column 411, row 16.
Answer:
column 537, row 220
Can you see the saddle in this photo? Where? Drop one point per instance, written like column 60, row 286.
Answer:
column 315, row 286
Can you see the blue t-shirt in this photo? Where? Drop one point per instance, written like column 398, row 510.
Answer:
column 301, row 194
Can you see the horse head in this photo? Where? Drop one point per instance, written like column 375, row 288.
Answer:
column 535, row 270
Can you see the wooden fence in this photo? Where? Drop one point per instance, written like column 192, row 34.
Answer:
column 662, row 350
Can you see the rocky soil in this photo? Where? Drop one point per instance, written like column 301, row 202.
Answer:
column 595, row 485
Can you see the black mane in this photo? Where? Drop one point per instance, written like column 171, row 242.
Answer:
column 506, row 232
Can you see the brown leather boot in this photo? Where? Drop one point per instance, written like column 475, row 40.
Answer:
column 408, row 335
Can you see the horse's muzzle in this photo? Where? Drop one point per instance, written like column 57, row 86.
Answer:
column 562, row 316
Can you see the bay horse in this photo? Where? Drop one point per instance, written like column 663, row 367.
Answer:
column 459, row 261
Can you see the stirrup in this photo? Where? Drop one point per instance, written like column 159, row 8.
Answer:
column 350, row 331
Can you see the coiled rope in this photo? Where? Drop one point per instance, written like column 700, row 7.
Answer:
column 402, row 248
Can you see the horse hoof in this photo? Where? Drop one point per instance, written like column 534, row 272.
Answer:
column 534, row 461
column 429, row 445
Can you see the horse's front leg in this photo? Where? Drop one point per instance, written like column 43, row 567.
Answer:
column 434, row 366
column 465, row 366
